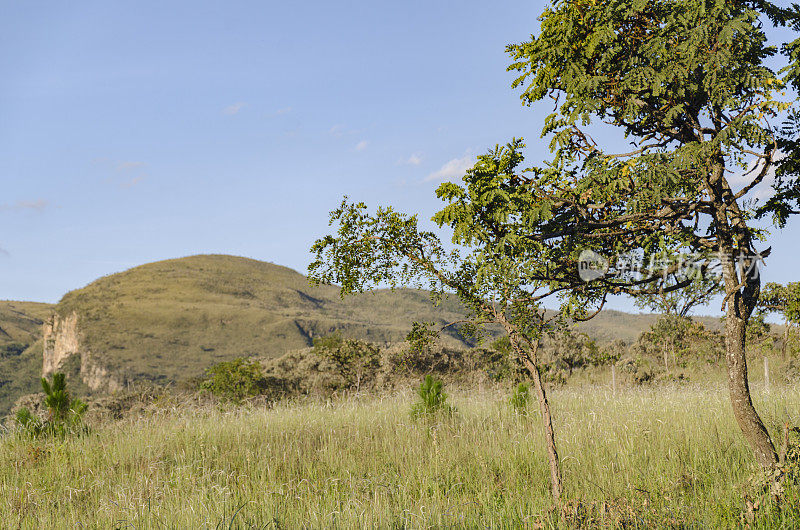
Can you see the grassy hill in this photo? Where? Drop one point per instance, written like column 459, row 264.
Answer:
column 20, row 349
column 170, row 320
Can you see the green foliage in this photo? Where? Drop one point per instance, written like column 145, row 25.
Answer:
column 355, row 360
column 502, row 345
column 520, row 399
column 30, row 424
column 783, row 299
column 235, row 380
column 681, row 340
column 432, row 399
column 422, row 336
column 64, row 414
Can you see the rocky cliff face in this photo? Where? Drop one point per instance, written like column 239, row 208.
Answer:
column 60, row 337
column 62, row 341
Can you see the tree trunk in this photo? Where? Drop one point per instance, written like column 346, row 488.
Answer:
column 743, row 409
column 556, row 485
column 529, row 359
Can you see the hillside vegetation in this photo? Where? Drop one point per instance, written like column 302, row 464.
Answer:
column 20, row 349
column 170, row 320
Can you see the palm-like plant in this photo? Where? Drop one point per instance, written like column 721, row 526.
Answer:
column 64, row 414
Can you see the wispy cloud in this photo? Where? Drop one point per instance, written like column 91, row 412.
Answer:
column 340, row 129
column 131, row 183
column 127, row 166
column 360, row 146
column 230, row 110
column 4, row 253
column 37, row 205
column 413, row 160
column 452, row 169
column 129, row 174
column 123, row 173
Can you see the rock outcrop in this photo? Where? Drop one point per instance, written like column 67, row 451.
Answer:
column 62, row 341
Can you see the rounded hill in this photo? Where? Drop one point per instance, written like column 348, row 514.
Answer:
column 169, row 320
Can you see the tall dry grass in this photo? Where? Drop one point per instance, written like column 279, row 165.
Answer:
column 647, row 457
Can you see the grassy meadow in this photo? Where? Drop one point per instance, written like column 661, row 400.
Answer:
column 669, row 456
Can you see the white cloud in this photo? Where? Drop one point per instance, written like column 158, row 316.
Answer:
column 360, row 146
column 453, row 169
column 37, row 205
column 230, row 110
column 4, row 253
column 336, row 130
column 413, row 160
column 279, row 112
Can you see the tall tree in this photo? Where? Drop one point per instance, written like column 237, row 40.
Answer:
column 497, row 286
column 687, row 83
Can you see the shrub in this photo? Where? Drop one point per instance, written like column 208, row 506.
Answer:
column 355, row 360
column 432, row 399
column 521, row 398
column 235, row 380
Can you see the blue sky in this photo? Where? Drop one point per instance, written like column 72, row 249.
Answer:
column 133, row 132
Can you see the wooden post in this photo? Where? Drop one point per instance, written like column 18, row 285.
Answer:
column 766, row 373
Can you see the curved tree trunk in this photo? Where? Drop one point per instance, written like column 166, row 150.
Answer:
column 556, row 485
column 744, row 411
column 740, row 275
column 529, row 360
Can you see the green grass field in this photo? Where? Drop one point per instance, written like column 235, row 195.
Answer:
column 658, row 457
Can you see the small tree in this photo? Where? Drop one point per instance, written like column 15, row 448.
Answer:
column 64, row 414
column 432, row 399
column 235, row 380
column 353, row 358
column 783, row 299
column 520, row 398
column 700, row 286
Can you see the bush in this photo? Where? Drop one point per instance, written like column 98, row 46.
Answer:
column 355, row 360
column 521, row 398
column 64, row 414
column 235, row 380
column 432, row 399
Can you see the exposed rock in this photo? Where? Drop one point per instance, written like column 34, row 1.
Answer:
column 62, row 341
